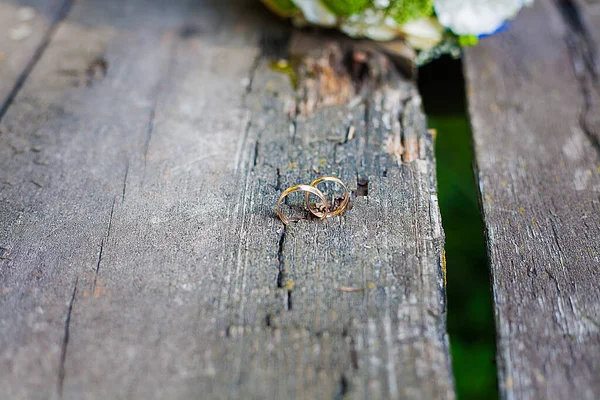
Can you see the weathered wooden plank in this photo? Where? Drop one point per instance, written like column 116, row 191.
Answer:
column 140, row 221
column 533, row 101
column 25, row 28
column 61, row 162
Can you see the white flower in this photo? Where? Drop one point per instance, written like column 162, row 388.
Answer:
column 316, row 13
column 422, row 33
column 476, row 17
column 372, row 24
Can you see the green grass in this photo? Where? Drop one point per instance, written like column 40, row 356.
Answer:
column 470, row 316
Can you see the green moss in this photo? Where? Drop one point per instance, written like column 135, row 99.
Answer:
column 407, row 10
column 344, row 8
column 285, row 8
column 287, row 67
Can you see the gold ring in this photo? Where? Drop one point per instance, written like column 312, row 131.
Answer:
column 303, row 188
column 336, row 211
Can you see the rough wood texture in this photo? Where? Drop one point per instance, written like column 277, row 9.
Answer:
column 140, row 252
column 23, row 36
column 533, row 101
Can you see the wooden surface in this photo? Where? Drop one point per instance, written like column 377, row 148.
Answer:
column 533, row 102
column 25, row 28
column 140, row 252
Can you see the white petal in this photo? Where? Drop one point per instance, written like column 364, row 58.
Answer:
column 371, row 24
column 476, row 17
column 379, row 33
column 381, row 3
column 423, row 33
column 315, row 12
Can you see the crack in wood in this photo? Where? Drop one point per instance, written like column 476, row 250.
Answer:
column 102, row 243
column 353, row 353
column 255, row 157
column 65, row 344
column 281, row 266
column 539, row 269
column 572, row 16
column 351, row 346
column 97, row 270
column 112, row 210
column 252, row 73
column 125, row 181
column 37, row 55
column 217, row 280
column 343, row 387
column 281, row 273
column 278, row 182
column 362, row 187
column 289, row 303
column 582, row 51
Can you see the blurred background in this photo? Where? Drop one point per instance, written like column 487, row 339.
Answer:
column 470, row 316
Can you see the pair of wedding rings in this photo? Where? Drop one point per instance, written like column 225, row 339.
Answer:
column 326, row 210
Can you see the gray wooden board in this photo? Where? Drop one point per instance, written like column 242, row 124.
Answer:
column 141, row 256
column 23, row 36
column 534, row 111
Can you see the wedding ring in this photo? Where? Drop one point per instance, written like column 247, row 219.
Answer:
column 302, row 188
column 337, row 210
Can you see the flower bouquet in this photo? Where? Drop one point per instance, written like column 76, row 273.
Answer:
column 430, row 27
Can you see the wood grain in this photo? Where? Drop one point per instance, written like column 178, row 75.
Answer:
column 533, row 101
column 141, row 255
column 25, row 29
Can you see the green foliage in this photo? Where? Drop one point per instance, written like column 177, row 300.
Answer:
column 285, row 8
column 407, row 10
column 467, row 41
column 470, row 318
column 401, row 10
column 344, row 8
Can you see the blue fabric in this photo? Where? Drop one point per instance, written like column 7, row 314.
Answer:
column 501, row 28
